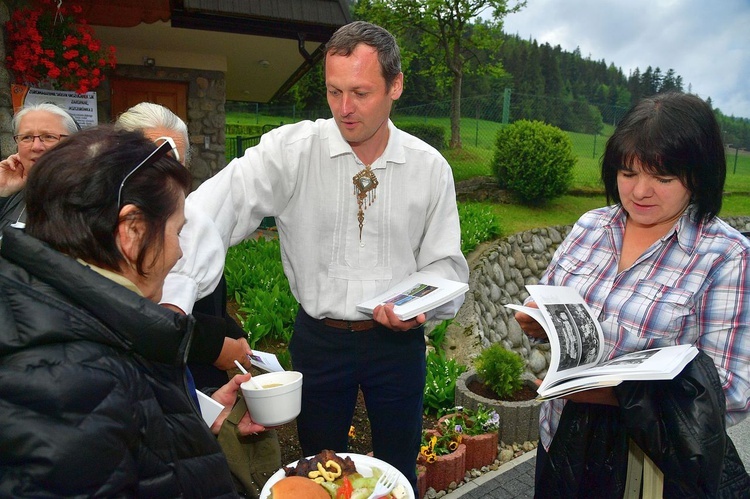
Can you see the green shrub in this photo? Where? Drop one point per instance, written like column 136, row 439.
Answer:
column 432, row 134
column 440, row 385
column 500, row 369
column 478, row 224
column 534, row 161
column 236, row 129
column 255, row 277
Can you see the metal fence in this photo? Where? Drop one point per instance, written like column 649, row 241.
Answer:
column 480, row 116
column 481, row 119
column 236, row 145
column 588, row 125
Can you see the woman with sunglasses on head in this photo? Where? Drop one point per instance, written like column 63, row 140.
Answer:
column 220, row 341
column 94, row 395
column 36, row 129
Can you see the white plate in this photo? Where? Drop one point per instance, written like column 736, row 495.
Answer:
column 364, row 465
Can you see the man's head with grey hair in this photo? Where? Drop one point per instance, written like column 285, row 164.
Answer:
column 155, row 120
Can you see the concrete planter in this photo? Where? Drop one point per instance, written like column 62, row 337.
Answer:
column 519, row 421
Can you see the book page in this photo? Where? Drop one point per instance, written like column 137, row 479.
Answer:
column 575, row 336
column 654, row 364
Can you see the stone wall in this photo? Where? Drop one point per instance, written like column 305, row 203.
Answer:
column 498, row 276
column 7, row 145
column 205, row 110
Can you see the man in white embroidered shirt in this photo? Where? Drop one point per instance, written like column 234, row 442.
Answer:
column 359, row 206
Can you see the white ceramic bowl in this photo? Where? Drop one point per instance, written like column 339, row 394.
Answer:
column 279, row 399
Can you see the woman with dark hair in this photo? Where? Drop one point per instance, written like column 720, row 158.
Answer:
column 658, row 268
column 219, row 341
column 94, row 395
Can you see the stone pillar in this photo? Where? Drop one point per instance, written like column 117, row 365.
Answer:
column 7, row 146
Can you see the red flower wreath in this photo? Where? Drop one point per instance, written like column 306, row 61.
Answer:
column 55, row 47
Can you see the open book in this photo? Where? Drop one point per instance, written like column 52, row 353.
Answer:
column 577, row 347
column 416, row 294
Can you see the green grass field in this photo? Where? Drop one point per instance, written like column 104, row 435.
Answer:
column 475, row 158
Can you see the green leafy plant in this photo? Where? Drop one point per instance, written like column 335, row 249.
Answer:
column 534, row 161
column 440, row 385
column 436, row 444
column 500, row 369
column 437, row 334
column 478, row 224
column 484, row 420
column 471, row 423
column 255, row 277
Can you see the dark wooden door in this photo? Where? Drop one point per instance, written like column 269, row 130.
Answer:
column 127, row 92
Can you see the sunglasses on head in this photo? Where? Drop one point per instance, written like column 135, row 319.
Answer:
column 166, row 147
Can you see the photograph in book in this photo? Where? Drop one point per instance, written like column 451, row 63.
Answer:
column 417, row 294
column 411, row 294
column 577, row 347
column 579, row 341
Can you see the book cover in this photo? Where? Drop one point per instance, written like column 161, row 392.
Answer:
column 418, row 293
column 577, row 347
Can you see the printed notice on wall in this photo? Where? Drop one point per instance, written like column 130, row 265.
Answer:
column 82, row 107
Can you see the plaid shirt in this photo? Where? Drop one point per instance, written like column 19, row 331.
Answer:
column 690, row 286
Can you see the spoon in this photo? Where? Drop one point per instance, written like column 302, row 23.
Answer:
column 244, row 371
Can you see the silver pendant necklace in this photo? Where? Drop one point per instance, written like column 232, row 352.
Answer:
column 365, row 182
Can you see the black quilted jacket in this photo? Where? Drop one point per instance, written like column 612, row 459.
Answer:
column 93, row 398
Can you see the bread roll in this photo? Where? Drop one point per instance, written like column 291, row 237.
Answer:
column 298, row 487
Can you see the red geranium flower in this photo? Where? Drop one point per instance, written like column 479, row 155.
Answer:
column 40, row 48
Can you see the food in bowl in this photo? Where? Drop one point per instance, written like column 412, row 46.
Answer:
column 273, row 398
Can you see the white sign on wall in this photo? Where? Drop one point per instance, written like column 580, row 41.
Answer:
column 82, row 107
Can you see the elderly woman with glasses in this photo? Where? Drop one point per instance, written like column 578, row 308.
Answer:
column 36, row 129
column 94, row 395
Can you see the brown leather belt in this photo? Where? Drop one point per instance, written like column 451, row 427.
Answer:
column 350, row 325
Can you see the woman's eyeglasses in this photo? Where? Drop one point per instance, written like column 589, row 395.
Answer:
column 166, row 147
column 46, row 138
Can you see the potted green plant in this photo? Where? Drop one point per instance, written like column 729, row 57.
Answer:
column 444, row 458
column 479, row 430
column 500, row 369
column 495, row 382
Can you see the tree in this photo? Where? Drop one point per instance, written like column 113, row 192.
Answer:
column 634, row 86
column 449, row 39
column 668, row 83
